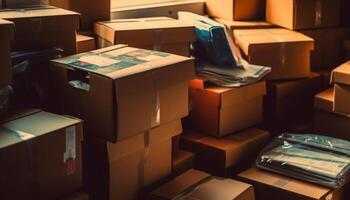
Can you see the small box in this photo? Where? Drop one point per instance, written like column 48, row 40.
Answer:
column 44, row 27
column 7, row 30
column 290, row 50
column 273, row 186
column 227, row 155
column 121, row 91
column 244, row 10
column 121, row 170
column 41, row 155
column 155, row 33
column 85, row 43
column 341, row 78
column 195, row 184
column 233, row 25
column 182, row 161
column 300, row 14
column 219, row 111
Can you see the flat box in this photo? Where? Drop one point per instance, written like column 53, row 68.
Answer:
column 121, row 170
column 329, row 47
column 200, row 185
column 91, row 11
column 40, row 155
column 44, row 27
column 272, row 186
column 300, row 14
column 290, row 102
column 226, row 155
column 155, row 33
column 6, row 36
column 85, row 43
column 233, row 25
column 244, row 10
column 182, row 161
column 219, row 111
column 291, row 51
column 328, row 122
column 134, row 91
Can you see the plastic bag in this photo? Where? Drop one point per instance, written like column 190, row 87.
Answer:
column 313, row 158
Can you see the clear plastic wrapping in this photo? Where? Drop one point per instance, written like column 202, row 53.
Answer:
column 312, row 158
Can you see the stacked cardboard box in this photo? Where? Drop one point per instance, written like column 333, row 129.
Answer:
column 85, row 43
column 155, row 33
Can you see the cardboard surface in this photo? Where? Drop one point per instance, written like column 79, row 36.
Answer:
column 326, row 76
column 325, row 100
column 272, row 186
column 291, row 50
column 6, row 36
column 155, row 33
column 341, row 99
column 219, row 111
column 244, row 10
column 225, row 155
column 117, row 171
column 85, row 43
column 127, row 97
column 299, row 14
column 233, row 25
column 198, row 185
column 182, row 161
column 44, row 28
column 48, row 161
column 341, row 74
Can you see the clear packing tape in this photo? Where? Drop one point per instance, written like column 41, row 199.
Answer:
column 313, row 158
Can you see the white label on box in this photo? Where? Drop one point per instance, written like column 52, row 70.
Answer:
column 150, row 57
column 69, row 156
column 100, row 61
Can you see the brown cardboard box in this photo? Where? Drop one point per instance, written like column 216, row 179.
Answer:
column 219, row 111
column 244, row 10
column 85, row 43
column 341, row 78
column 182, row 161
column 44, row 28
column 21, row 3
column 120, row 170
column 155, row 33
column 272, row 186
column 226, row 155
column 300, row 14
column 198, row 185
column 290, row 102
column 91, row 11
column 6, row 36
column 341, row 74
column 328, row 122
column 329, row 47
column 40, row 155
column 290, row 50
column 233, row 25
column 134, row 91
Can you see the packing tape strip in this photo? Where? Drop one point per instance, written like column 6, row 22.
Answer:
column 318, row 14
column 157, row 45
column 155, row 114
column 143, row 161
column 186, row 193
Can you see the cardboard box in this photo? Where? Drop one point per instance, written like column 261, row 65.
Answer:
column 325, row 75
column 155, row 33
column 329, row 47
column 195, row 184
column 77, row 196
column 233, row 25
column 134, row 91
column 341, row 78
column 40, row 155
column 290, row 102
column 85, row 43
column 6, row 36
column 90, row 11
column 244, row 10
column 219, row 111
column 226, row 155
column 44, row 28
column 14, row 4
column 117, row 171
column 272, row 186
column 182, row 161
column 290, row 50
column 328, row 122
column 300, row 14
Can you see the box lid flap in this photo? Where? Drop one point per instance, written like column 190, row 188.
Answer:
column 120, row 61
column 83, row 38
column 341, row 74
column 145, row 30
column 325, row 100
column 247, row 38
column 285, row 183
column 40, row 19
column 244, row 24
column 7, row 29
column 26, row 127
